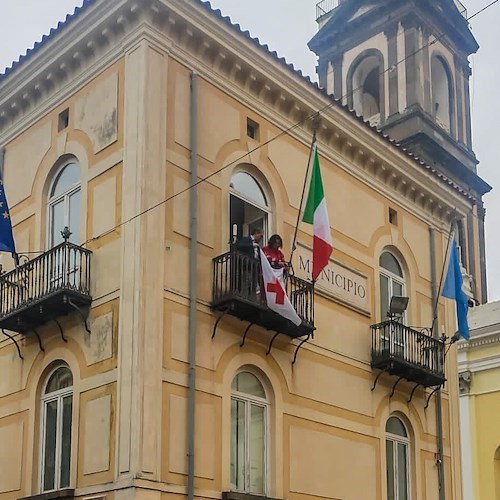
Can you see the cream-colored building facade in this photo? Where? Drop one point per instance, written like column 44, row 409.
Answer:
column 103, row 124
column 479, row 379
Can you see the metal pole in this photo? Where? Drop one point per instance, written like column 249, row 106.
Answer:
column 2, row 156
column 435, row 299
column 435, row 334
column 315, row 128
column 192, row 285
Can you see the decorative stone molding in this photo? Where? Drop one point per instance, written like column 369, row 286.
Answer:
column 464, row 381
column 481, row 341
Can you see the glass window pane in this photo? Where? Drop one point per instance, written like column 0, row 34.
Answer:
column 384, row 296
column 389, row 451
column 74, row 216
column 66, row 441
column 60, row 379
column 397, row 289
column 49, row 445
column 257, row 449
column 247, row 186
column 67, row 178
column 395, row 426
column 238, row 449
column 249, row 384
column 389, row 262
column 57, row 223
column 402, row 472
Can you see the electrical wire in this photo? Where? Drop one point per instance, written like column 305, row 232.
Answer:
column 283, row 132
column 286, row 131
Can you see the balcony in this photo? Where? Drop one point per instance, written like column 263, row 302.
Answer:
column 324, row 7
column 407, row 353
column 45, row 288
column 237, row 292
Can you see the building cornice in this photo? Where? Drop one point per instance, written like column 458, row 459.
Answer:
column 481, row 340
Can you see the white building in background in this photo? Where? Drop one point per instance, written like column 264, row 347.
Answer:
column 479, row 381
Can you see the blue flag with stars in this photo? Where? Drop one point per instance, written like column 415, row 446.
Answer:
column 452, row 289
column 6, row 238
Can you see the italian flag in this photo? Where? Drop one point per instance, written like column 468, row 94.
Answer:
column 316, row 213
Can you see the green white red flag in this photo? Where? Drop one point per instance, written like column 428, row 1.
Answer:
column 316, row 213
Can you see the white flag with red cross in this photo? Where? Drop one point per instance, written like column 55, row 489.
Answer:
column 276, row 297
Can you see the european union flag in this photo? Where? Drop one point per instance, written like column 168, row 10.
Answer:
column 6, row 238
column 452, row 289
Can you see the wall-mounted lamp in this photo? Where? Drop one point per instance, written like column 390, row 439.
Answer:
column 397, row 306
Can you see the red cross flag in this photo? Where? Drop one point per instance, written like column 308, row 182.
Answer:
column 276, row 297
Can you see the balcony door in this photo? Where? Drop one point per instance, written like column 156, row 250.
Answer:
column 391, row 284
column 248, row 207
column 65, row 204
column 65, row 212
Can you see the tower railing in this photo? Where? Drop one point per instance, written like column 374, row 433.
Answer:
column 326, row 6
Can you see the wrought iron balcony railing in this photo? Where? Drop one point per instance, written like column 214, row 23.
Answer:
column 40, row 290
column 237, row 291
column 408, row 353
column 324, row 7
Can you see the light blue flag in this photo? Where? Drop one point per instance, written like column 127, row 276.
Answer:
column 6, row 238
column 452, row 289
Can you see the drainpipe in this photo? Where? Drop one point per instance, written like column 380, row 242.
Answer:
column 435, row 334
column 192, row 285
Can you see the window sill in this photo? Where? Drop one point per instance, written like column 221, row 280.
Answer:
column 236, row 495
column 67, row 493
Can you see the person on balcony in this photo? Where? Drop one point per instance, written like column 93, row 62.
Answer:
column 274, row 254
column 247, row 269
column 249, row 245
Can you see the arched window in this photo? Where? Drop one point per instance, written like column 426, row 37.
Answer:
column 441, row 93
column 249, row 207
column 65, row 204
column 397, row 445
column 249, row 408
column 57, row 405
column 391, row 282
column 365, row 88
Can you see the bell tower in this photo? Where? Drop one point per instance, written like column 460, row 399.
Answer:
column 403, row 66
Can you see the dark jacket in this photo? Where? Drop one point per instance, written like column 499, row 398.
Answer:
column 245, row 245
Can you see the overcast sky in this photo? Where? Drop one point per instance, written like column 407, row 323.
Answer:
column 286, row 26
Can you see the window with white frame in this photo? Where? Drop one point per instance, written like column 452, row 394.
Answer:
column 397, row 445
column 249, row 434
column 392, row 282
column 65, row 204
column 248, row 207
column 56, row 413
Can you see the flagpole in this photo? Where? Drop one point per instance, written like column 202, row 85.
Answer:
column 313, row 142
column 451, row 235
